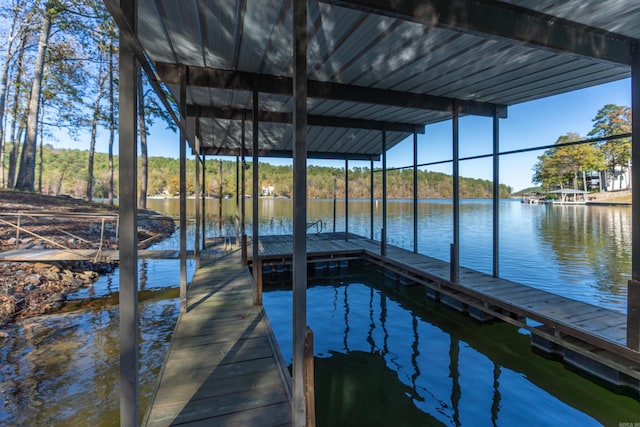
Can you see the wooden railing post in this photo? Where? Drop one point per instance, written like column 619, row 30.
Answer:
column 257, row 300
column 310, row 394
column 99, row 252
column 244, row 250
column 18, row 231
column 633, row 314
column 454, row 264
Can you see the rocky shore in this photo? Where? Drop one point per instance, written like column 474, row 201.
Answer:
column 34, row 288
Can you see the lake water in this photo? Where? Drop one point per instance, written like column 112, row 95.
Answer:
column 581, row 252
column 388, row 356
column 381, row 357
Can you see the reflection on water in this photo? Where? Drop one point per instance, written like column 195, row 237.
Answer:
column 582, row 252
column 63, row 369
column 386, row 356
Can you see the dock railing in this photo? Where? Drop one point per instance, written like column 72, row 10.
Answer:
column 20, row 227
column 28, row 223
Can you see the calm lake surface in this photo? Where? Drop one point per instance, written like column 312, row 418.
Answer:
column 382, row 357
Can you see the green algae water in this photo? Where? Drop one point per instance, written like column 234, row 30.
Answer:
column 386, row 355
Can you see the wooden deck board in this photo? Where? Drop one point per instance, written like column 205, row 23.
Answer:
column 221, row 368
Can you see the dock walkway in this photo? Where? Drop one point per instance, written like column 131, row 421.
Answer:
column 223, row 366
column 94, row 255
column 589, row 337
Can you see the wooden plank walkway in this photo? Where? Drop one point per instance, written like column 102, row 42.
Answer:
column 223, row 366
column 52, row 255
column 598, row 327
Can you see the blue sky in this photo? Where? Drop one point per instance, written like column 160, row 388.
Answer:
column 529, row 124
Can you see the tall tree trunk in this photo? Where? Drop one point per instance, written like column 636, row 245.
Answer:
column 94, row 131
column 15, row 139
column 144, row 173
column 62, row 173
column 41, row 163
column 27, row 159
column 112, row 120
column 584, row 181
column 628, row 174
column 4, row 77
column 15, row 148
column 600, row 178
column 3, row 95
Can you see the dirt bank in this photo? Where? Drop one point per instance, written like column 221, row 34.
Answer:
column 48, row 222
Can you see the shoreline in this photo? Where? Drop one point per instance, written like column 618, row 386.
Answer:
column 29, row 289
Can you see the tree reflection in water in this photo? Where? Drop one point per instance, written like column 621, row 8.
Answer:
column 387, row 355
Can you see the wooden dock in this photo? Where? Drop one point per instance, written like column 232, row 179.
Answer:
column 586, row 336
column 223, row 367
column 52, row 255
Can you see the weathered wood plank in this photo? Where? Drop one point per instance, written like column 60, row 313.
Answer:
column 221, row 368
column 209, row 409
column 268, row 416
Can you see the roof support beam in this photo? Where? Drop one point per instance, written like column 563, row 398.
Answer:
column 239, row 80
column 504, row 21
column 284, row 154
column 312, row 120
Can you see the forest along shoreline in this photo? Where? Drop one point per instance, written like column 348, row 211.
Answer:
column 35, row 288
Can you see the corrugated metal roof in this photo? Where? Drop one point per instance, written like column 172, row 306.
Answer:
column 617, row 16
column 350, row 46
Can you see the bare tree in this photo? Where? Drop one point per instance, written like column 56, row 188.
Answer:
column 112, row 119
column 144, row 171
column 101, row 80
column 16, row 33
column 26, row 174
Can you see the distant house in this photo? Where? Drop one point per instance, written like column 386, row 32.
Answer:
column 268, row 191
column 618, row 180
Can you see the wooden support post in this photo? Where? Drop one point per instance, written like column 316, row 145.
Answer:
column 453, row 265
column 346, row 200
column 383, row 237
column 196, row 244
column 220, row 190
column 633, row 287
column 203, row 202
column 310, row 393
column 99, row 251
column 371, row 188
column 255, row 196
column 496, row 193
column 415, row 192
column 258, row 274
column 243, row 220
column 183, row 191
column 18, row 230
column 237, row 216
column 633, row 314
column 128, row 214
column 335, row 185
column 299, row 210
column 455, row 248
